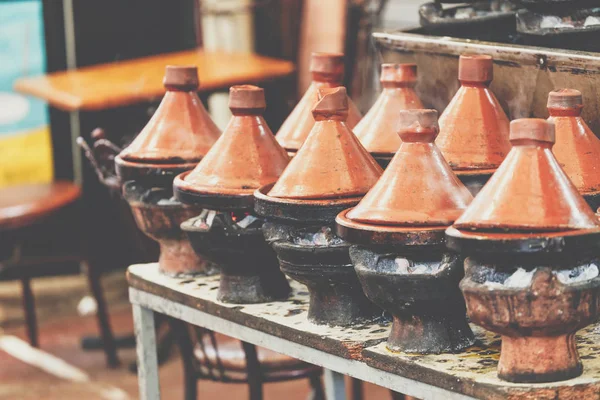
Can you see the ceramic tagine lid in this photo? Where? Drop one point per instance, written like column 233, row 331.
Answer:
column 377, row 131
column 245, row 157
column 180, row 131
column 327, row 71
column 577, row 149
column 331, row 163
column 474, row 129
column 177, row 136
column 417, row 193
column 529, row 195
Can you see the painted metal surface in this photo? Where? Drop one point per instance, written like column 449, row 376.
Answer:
column 145, row 339
column 523, row 75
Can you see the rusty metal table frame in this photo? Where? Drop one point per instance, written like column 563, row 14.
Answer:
column 145, row 304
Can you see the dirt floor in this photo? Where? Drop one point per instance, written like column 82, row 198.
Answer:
column 63, row 370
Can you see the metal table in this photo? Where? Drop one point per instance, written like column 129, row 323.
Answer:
column 358, row 351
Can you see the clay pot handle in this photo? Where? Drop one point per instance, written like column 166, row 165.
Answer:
column 182, row 78
column 475, row 68
column 418, row 125
column 565, row 99
column 534, row 129
column 332, row 102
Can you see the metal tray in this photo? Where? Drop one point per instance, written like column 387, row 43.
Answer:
column 523, row 75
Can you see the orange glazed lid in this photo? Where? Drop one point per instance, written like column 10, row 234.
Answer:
column 245, row 157
column 577, row 148
column 331, row 163
column 529, row 192
column 418, row 188
column 474, row 129
column 377, row 131
column 180, row 131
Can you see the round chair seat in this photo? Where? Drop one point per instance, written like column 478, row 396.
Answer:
column 24, row 205
column 231, row 355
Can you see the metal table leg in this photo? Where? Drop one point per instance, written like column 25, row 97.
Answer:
column 143, row 319
column 335, row 388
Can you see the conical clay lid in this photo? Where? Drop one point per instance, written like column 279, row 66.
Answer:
column 332, row 163
column 377, row 130
column 474, row 128
column 529, row 192
column 180, row 131
column 577, row 149
column 418, row 188
column 327, row 71
column 246, row 156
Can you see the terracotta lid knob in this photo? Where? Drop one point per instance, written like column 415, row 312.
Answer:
column 418, row 125
column 475, row 68
column 247, row 99
column 535, row 129
column 327, row 66
column 332, row 102
column 182, row 78
column 565, row 99
column 393, row 75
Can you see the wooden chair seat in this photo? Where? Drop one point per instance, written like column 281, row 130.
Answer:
column 230, row 354
column 25, row 205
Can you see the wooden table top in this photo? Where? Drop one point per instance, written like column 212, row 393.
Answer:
column 471, row 372
column 121, row 83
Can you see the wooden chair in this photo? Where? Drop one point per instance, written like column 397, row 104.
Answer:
column 209, row 356
column 42, row 233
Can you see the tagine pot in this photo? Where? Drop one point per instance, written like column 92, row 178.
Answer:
column 531, row 267
column 377, row 130
column 159, row 217
column 537, row 323
column 398, row 252
column 474, row 128
column 174, row 140
column 577, row 149
column 228, row 232
column 300, row 210
column 327, row 71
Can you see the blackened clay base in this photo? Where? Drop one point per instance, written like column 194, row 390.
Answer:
column 249, row 268
column 158, row 216
column 336, row 297
column 537, row 321
column 428, row 309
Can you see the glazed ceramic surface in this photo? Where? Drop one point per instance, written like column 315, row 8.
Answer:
column 577, row 149
column 327, row 71
column 377, row 131
column 474, row 128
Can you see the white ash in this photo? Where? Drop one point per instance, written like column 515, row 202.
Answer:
column 552, row 22
column 518, row 280
column 168, row 202
column 324, row 237
column 464, row 13
column 408, row 267
column 247, row 221
column 591, row 21
column 205, row 219
column 580, row 274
